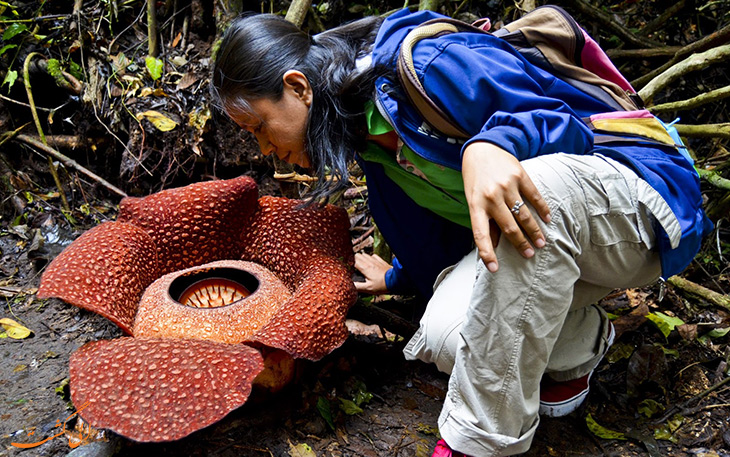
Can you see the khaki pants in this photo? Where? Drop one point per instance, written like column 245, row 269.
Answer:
column 498, row 333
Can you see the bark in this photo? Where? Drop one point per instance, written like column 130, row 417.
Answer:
column 152, row 28
column 298, row 11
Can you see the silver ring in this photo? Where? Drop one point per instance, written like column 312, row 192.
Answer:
column 516, row 207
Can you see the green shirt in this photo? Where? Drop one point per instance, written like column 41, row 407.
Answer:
column 432, row 186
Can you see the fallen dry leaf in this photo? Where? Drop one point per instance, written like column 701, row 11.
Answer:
column 14, row 330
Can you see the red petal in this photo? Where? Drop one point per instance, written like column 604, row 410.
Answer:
column 285, row 238
column 105, row 271
column 195, row 224
column 161, row 316
column 312, row 323
column 310, row 249
column 149, row 389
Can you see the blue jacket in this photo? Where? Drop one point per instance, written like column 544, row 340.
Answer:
column 493, row 93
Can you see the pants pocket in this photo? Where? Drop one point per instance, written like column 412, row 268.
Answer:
column 612, row 208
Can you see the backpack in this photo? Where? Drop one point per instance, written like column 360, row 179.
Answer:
column 549, row 38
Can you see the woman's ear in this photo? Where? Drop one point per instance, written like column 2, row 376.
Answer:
column 296, row 81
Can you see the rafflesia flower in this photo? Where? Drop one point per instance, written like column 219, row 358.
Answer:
column 219, row 290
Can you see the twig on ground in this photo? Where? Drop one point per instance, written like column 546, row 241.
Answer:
column 69, row 162
column 294, row 177
column 371, row 314
column 362, row 237
column 683, row 406
column 657, row 23
column 690, row 287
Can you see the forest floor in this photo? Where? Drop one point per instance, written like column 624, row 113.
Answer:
column 644, row 370
column 661, row 391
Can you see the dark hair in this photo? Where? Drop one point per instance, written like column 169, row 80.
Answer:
column 255, row 53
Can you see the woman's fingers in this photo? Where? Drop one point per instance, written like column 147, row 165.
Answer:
column 497, row 188
column 373, row 268
column 480, row 227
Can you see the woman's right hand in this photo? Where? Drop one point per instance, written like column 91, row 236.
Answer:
column 496, row 186
column 374, row 269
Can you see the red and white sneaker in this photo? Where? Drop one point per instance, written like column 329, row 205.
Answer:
column 443, row 450
column 558, row 399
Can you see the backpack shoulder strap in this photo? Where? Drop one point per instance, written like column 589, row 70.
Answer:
column 550, row 38
column 415, row 91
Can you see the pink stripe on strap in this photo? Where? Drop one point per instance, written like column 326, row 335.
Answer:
column 638, row 114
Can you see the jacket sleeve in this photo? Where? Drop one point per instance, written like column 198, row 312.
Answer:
column 397, row 281
column 493, row 93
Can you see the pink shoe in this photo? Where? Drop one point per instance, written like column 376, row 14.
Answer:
column 443, row 450
column 558, row 399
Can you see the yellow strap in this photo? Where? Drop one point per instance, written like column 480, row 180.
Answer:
column 646, row 127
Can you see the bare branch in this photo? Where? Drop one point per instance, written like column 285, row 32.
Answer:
column 665, row 51
column 704, row 131
column 714, row 178
column 718, row 38
column 68, row 162
column 694, row 102
column 298, row 11
column 711, row 296
column 692, row 63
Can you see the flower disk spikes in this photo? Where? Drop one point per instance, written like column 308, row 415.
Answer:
column 188, row 366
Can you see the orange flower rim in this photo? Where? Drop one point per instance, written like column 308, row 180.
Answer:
column 203, row 278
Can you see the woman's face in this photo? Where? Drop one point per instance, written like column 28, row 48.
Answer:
column 280, row 126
